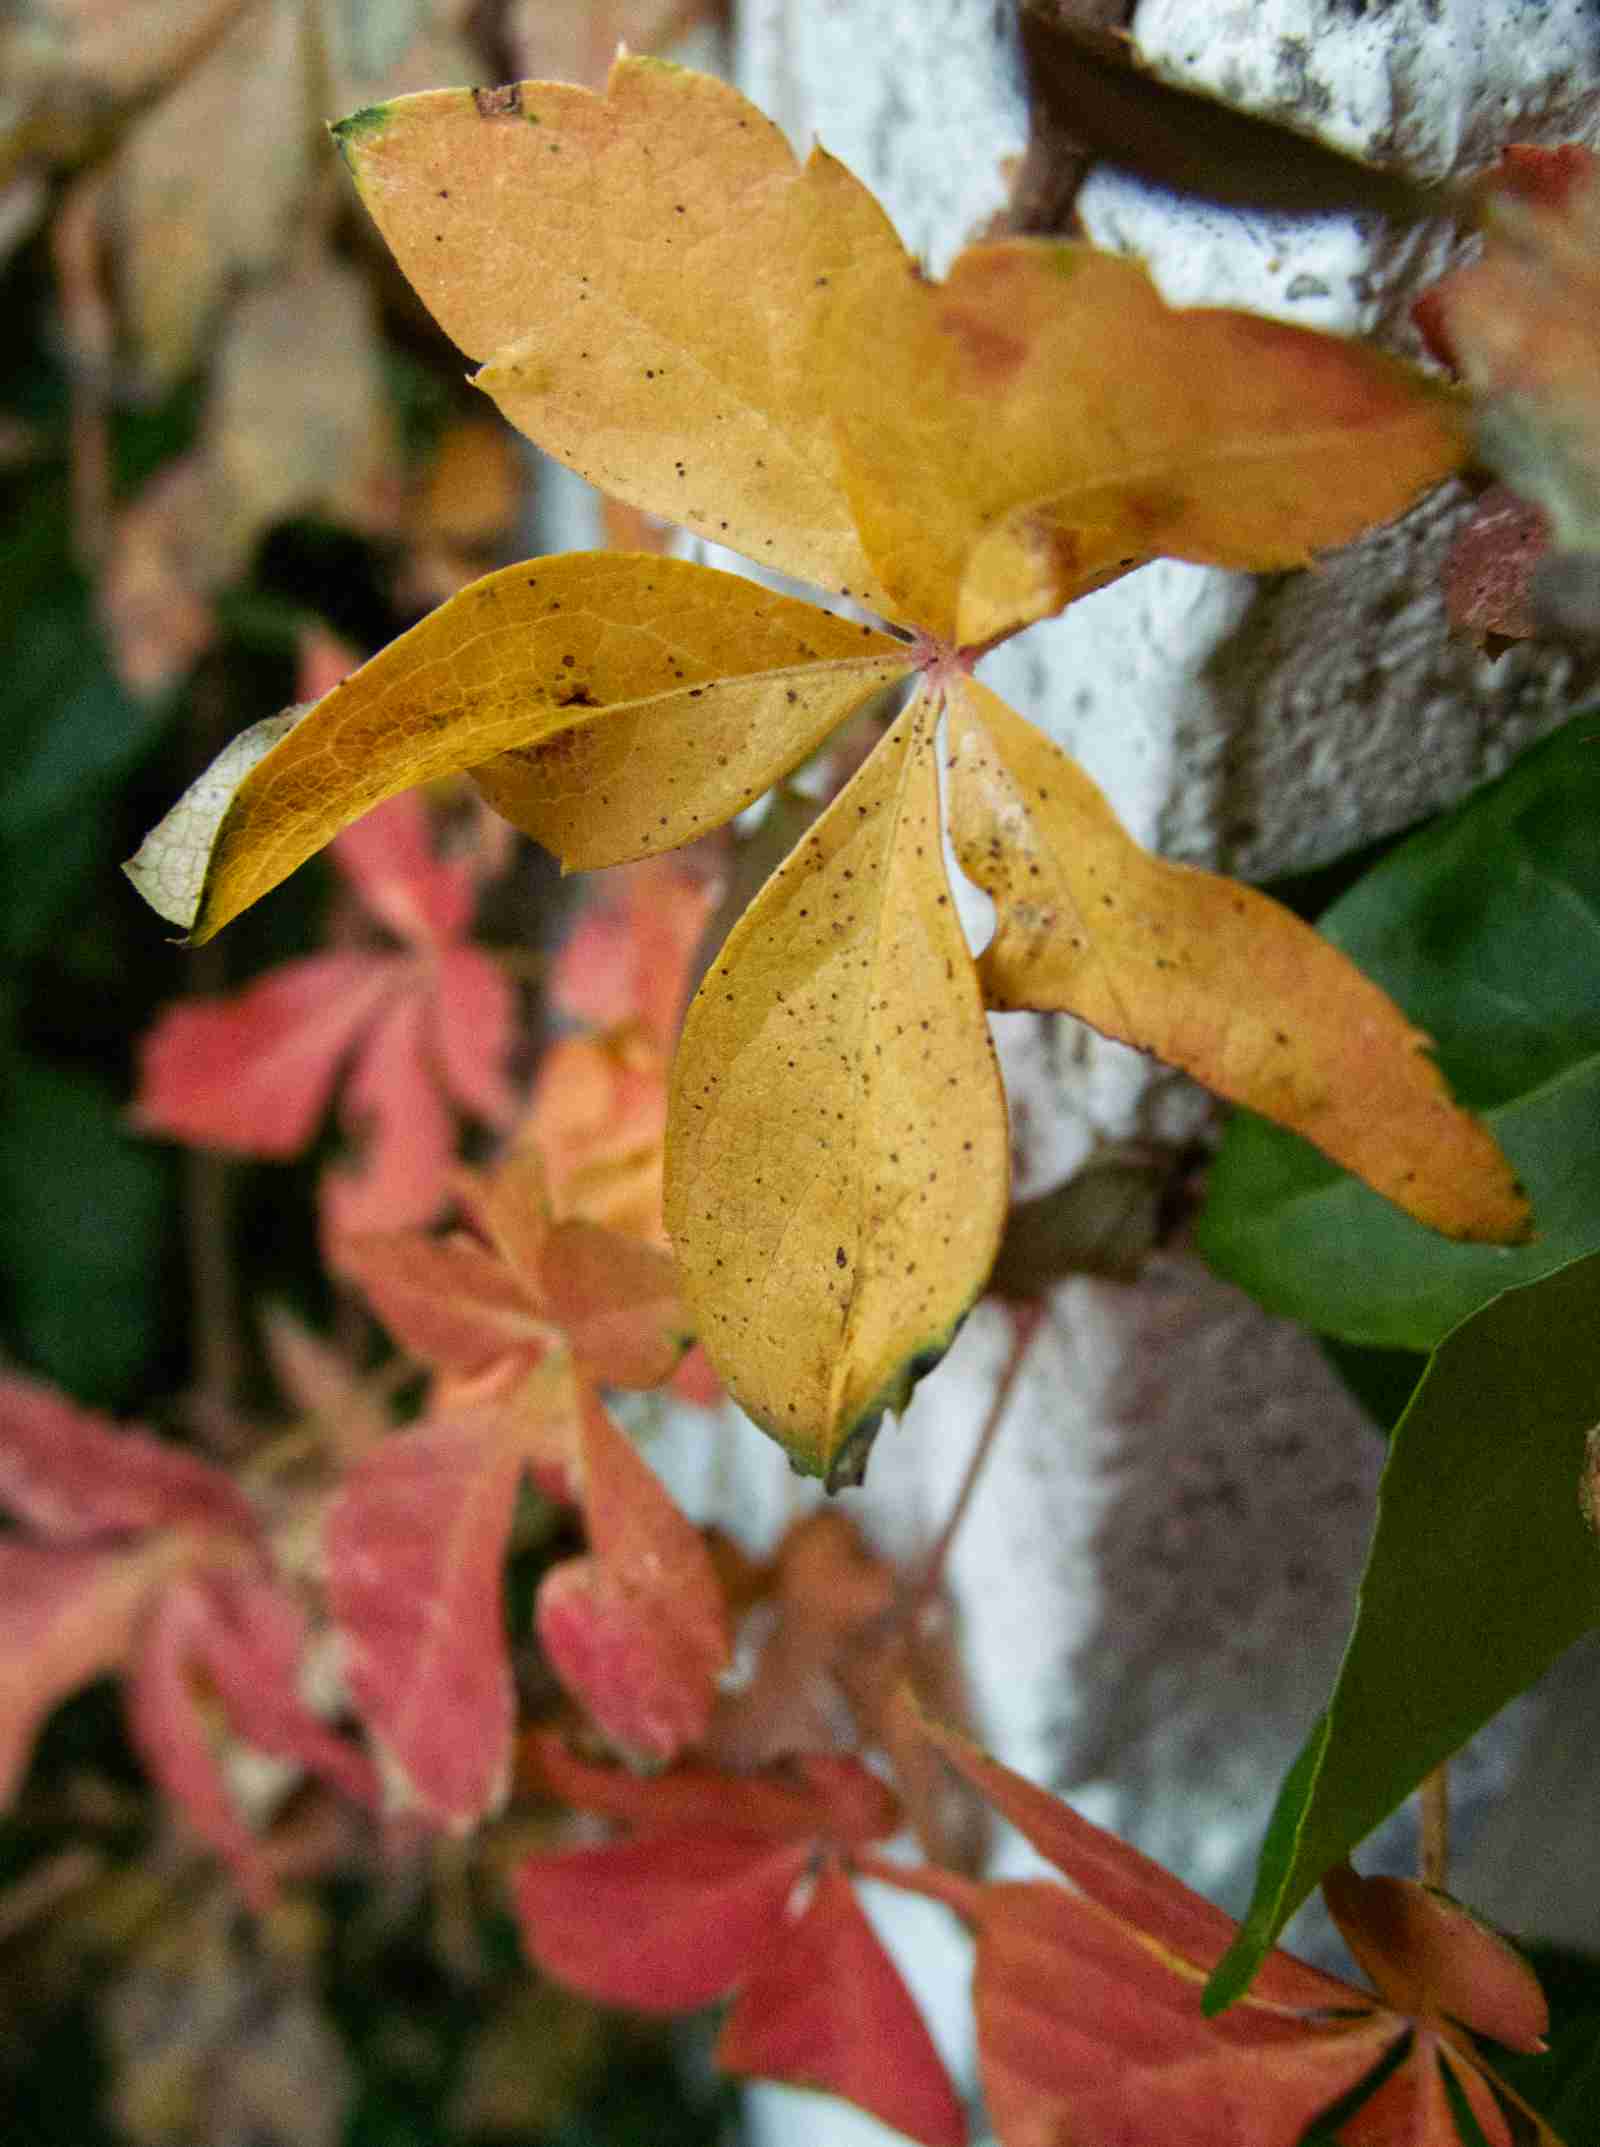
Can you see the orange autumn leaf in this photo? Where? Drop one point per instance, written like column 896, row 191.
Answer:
column 1115, row 429
column 523, row 1322
column 1089, row 2005
column 666, row 299
column 529, row 655
column 1153, row 953
column 534, row 222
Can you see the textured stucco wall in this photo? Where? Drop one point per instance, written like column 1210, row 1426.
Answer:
column 1156, row 1575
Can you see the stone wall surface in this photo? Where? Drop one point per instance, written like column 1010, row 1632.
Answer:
column 1156, row 1575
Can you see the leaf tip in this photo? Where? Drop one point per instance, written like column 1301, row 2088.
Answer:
column 847, row 1467
column 356, row 126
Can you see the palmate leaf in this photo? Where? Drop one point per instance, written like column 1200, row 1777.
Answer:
column 670, row 302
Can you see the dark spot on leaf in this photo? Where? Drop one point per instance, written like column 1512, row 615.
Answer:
column 502, row 103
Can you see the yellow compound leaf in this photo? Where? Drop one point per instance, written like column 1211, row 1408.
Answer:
column 837, row 1157
column 1208, row 975
column 643, row 270
column 1067, row 424
column 579, row 640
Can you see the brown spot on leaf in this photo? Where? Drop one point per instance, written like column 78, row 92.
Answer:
column 502, row 103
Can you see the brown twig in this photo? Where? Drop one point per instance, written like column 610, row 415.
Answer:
column 89, row 330
column 1435, row 1799
column 1025, row 1320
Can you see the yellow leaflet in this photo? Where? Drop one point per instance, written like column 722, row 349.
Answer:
column 837, row 1157
column 1042, row 420
column 1208, row 975
column 521, row 657
column 643, row 271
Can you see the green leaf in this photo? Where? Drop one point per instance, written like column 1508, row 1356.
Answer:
column 83, row 1222
column 1482, row 1570
column 1486, row 928
column 1563, row 2084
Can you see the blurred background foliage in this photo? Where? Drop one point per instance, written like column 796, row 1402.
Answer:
column 227, row 434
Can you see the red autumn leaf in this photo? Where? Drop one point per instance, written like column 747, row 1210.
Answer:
column 70, row 1617
column 828, row 2009
column 401, row 1131
column 416, row 1542
column 422, row 1029
column 1430, row 1956
column 1089, row 2019
column 628, row 958
column 826, row 1796
column 452, row 1301
column 228, row 1636
column 464, row 1307
column 701, row 1901
column 153, row 1564
column 175, row 1741
column 662, row 1923
column 249, row 1640
column 598, row 1122
column 75, row 1477
column 636, row 1630
column 253, row 1073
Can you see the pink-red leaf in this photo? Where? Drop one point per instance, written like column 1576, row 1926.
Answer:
column 475, row 1022
column 1130, row 1886
column 390, row 860
column 393, row 1108
column 1089, row 2015
column 662, row 1923
column 637, row 1630
column 826, row 2008
column 70, row 1616
column 823, row 1796
column 617, row 1301
column 251, row 1644
column 178, row 1745
column 74, row 1477
column 628, row 958
column 416, row 1541
column 451, row 1300
column 253, row 1073
column 1085, row 2033
column 1431, row 1958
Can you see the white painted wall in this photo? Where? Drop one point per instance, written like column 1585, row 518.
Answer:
column 1155, row 1579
